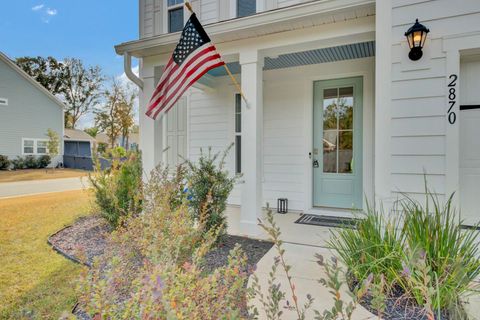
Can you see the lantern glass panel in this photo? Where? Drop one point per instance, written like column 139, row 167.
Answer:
column 417, row 38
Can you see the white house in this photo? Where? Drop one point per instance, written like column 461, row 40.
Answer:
column 337, row 111
column 27, row 111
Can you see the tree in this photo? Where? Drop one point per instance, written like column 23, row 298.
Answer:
column 107, row 117
column 126, row 113
column 49, row 72
column 92, row 131
column 81, row 90
column 53, row 145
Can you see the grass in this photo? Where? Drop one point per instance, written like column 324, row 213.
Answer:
column 40, row 174
column 35, row 281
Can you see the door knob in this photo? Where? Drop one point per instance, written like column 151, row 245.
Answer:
column 315, row 163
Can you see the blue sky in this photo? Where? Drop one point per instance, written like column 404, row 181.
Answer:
column 85, row 29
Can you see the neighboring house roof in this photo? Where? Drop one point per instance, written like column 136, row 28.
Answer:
column 19, row 70
column 77, row 135
column 102, row 138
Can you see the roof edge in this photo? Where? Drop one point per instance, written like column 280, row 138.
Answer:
column 13, row 65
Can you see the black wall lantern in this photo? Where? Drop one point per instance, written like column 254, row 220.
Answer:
column 416, row 36
column 282, row 205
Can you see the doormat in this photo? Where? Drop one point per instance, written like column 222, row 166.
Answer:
column 327, row 221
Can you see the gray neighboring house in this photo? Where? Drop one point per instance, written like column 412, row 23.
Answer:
column 27, row 111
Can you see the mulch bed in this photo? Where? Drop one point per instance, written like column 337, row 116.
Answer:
column 397, row 306
column 87, row 239
column 82, row 241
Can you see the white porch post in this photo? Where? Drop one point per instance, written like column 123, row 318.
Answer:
column 252, row 128
column 150, row 130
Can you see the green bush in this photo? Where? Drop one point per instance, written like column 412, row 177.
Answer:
column 209, row 186
column 422, row 250
column 153, row 267
column 43, row 161
column 118, row 191
column 18, row 163
column 4, row 162
column 376, row 246
column 31, row 162
column 450, row 253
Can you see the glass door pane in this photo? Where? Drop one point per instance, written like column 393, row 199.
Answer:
column 338, row 130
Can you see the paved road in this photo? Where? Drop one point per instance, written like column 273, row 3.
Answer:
column 22, row 188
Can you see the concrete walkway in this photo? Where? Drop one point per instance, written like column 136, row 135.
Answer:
column 23, row 188
column 301, row 243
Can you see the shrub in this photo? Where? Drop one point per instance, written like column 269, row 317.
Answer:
column 153, row 268
column 209, row 186
column 118, row 191
column 43, row 161
column 376, row 246
column 4, row 162
column 424, row 251
column 450, row 254
column 18, row 163
column 31, row 162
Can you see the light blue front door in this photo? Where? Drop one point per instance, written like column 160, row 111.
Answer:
column 337, row 143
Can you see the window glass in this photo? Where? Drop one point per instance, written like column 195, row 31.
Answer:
column 175, row 19
column 174, row 2
column 41, row 147
column 246, row 7
column 330, row 151
column 238, row 133
column 28, row 146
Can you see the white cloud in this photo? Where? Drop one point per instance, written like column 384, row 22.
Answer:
column 51, row 12
column 38, row 7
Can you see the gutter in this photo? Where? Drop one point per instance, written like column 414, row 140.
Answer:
column 127, row 67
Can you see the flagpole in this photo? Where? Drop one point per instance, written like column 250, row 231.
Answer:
column 235, row 82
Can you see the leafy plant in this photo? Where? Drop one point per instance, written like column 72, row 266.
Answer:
column 18, row 163
column 450, row 254
column 4, row 162
column 53, row 145
column 31, row 162
column 118, row 191
column 209, row 186
column 154, row 268
column 43, row 161
column 376, row 246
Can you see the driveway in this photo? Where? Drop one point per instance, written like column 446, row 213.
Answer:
column 23, row 188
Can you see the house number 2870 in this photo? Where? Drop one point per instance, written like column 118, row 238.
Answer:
column 452, row 98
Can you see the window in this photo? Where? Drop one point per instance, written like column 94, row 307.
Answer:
column 246, row 7
column 34, row 146
column 41, row 147
column 238, row 133
column 28, row 146
column 3, row 102
column 175, row 15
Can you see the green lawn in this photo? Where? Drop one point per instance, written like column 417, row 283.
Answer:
column 35, row 281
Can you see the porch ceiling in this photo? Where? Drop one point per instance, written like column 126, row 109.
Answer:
column 316, row 56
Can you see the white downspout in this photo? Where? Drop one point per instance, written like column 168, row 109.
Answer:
column 127, row 66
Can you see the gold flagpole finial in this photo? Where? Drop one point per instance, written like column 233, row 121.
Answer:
column 189, row 6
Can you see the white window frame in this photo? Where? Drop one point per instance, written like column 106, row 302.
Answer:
column 35, row 147
column 167, row 10
column 237, row 97
column 3, row 102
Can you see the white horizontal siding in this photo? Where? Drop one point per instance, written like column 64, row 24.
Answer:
column 209, row 11
column 418, row 124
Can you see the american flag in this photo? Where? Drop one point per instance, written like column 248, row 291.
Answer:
column 194, row 56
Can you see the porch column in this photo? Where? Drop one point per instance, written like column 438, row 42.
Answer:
column 150, row 130
column 252, row 129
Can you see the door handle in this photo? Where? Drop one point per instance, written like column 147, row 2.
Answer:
column 315, row 163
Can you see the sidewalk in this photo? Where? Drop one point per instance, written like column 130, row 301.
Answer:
column 23, row 188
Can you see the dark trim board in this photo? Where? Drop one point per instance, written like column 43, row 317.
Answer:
column 469, row 107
